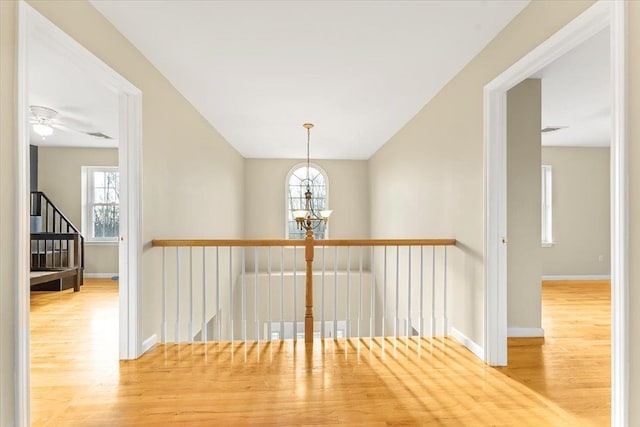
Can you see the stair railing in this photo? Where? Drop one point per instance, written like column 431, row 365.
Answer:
column 54, row 231
column 264, row 290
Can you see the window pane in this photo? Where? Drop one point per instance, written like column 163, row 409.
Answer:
column 106, row 221
column 99, row 195
column 299, row 181
column 98, row 179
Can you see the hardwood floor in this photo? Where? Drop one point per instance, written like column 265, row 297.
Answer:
column 77, row 380
column 572, row 365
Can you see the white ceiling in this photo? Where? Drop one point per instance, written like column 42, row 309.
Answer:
column 359, row 70
column 576, row 94
column 82, row 103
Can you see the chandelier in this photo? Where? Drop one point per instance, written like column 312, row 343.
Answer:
column 308, row 219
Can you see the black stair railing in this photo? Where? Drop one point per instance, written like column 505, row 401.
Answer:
column 52, row 235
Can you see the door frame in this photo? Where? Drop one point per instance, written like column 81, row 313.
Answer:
column 601, row 15
column 31, row 24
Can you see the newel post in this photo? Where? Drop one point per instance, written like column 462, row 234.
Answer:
column 308, row 314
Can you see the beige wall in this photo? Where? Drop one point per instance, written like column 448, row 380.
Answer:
column 8, row 177
column 447, row 135
column 443, row 143
column 265, row 204
column 427, row 181
column 581, row 212
column 524, row 267
column 189, row 170
column 60, row 171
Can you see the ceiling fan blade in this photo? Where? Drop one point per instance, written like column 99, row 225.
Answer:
column 75, row 124
column 64, row 128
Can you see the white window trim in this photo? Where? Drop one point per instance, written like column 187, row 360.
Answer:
column 86, row 173
column 286, row 196
column 547, row 206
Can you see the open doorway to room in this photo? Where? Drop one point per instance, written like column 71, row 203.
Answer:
column 600, row 16
column 57, row 96
column 74, row 228
column 559, row 262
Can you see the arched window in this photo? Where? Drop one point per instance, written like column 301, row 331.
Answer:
column 297, row 182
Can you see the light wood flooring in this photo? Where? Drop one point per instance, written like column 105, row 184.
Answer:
column 78, row 381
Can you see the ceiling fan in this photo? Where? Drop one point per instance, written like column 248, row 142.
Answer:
column 45, row 119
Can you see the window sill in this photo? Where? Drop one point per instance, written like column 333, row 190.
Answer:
column 101, row 242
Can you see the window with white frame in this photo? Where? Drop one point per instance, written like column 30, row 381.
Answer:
column 101, row 203
column 547, row 206
column 297, row 181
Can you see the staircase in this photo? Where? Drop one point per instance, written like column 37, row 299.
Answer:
column 57, row 248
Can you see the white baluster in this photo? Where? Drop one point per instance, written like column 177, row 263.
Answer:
column 384, row 293
column 360, row 296
column 421, row 325
column 372, row 289
column 433, row 291
column 177, row 335
column 408, row 321
column 164, row 295
column 203, row 335
column 322, row 333
column 269, row 294
column 281, row 292
column 335, row 293
column 231, row 319
column 256, row 322
column 445, row 322
column 190, row 324
column 243, row 299
column 218, row 310
column 295, row 293
column 348, row 331
column 396, row 323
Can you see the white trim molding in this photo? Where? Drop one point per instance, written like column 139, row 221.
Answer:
column 149, row 343
column 23, row 358
column 577, row 277
column 589, row 23
column 619, row 218
column 33, row 26
column 471, row 345
column 525, row 333
column 602, row 14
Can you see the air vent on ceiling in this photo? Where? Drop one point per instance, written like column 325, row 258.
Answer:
column 99, row 135
column 549, row 129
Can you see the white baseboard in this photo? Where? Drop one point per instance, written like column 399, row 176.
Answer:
column 149, row 343
column 525, row 332
column 578, row 277
column 471, row 345
column 99, row 275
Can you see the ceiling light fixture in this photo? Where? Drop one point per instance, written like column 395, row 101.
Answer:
column 308, row 218
column 42, row 128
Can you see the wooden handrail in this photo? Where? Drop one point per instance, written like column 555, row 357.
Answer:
column 56, row 210
column 386, row 242
column 54, row 236
column 302, row 243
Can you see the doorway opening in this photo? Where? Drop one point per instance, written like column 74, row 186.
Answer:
column 34, row 32
column 602, row 15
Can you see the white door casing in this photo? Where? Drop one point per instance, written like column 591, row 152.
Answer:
column 601, row 15
column 32, row 25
